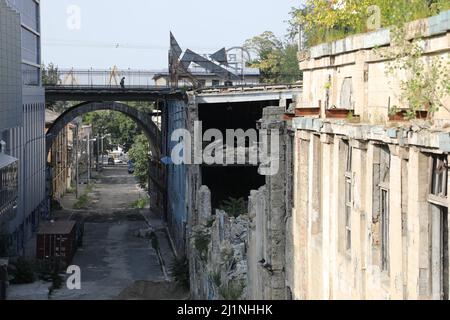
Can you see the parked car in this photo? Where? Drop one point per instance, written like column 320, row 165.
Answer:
column 130, row 167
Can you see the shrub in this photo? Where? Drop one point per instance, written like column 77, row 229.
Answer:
column 179, row 270
column 141, row 203
column 82, row 202
column 234, row 207
column 23, row 271
column 232, row 291
column 216, row 279
column 201, row 243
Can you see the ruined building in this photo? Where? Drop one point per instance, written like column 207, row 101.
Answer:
column 359, row 206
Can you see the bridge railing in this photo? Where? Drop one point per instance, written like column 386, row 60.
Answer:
column 100, row 78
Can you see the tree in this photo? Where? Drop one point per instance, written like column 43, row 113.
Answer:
column 122, row 128
column 139, row 154
column 276, row 60
column 425, row 84
column 329, row 20
column 50, row 76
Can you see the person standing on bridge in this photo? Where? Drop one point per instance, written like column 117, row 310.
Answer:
column 122, row 83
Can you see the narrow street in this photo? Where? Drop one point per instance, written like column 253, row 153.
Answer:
column 116, row 261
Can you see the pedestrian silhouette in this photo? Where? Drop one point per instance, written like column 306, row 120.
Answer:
column 122, row 83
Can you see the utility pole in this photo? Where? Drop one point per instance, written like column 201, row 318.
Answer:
column 76, row 161
column 97, row 152
column 89, row 156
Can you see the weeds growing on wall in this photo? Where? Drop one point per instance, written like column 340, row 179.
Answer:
column 201, row 243
column 424, row 84
column 232, row 291
column 326, row 21
column 234, row 207
column 179, row 269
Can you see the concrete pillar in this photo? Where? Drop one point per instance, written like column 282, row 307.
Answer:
column 204, row 210
column 300, row 218
column 395, row 225
column 276, row 210
column 326, row 205
column 358, row 217
column 417, row 227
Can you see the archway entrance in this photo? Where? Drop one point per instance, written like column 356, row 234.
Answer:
column 156, row 185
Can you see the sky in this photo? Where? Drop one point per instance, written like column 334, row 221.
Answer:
column 135, row 33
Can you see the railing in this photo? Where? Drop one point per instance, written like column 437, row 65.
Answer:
column 142, row 79
column 251, row 87
column 89, row 78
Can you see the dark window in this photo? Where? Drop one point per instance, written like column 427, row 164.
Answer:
column 384, row 230
column 30, row 47
column 439, row 176
column 439, row 252
column 30, row 75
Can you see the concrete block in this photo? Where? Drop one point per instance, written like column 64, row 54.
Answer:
column 317, row 125
column 444, row 142
column 392, row 133
column 438, row 24
column 321, row 50
column 377, row 38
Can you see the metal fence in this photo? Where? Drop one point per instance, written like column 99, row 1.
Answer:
column 100, row 78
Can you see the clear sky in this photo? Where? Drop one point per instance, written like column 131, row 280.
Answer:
column 135, row 33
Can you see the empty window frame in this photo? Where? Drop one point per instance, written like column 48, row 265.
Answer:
column 439, row 227
column 439, row 252
column 439, row 176
column 384, row 179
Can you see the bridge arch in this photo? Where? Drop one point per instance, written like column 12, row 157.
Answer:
column 143, row 120
column 156, row 185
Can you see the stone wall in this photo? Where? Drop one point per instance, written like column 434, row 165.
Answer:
column 351, row 74
column 324, row 267
column 245, row 257
column 217, row 253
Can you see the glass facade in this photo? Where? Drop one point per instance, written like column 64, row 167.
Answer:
column 9, row 188
column 30, row 75
column 30, row 47
column 31, row 50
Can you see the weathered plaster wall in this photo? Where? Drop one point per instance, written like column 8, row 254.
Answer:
column 327, row 67
column 332, row 272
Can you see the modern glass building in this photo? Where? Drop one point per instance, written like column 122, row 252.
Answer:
column 22, row 115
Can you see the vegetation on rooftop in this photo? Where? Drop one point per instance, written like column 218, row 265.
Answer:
column 330, row 20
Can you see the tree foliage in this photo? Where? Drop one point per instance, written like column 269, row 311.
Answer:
column 50, row 76
column 139, row 154
column 276, row 60
column 425, row 83
column 122, row 128
column 329, row 20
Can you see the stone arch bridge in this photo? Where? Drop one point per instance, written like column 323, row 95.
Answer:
column 144, row 120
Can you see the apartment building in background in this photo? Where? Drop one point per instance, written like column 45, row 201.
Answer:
column 22, row 118
column 61, row 156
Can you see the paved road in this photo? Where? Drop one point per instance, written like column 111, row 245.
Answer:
column 111, row 260
column 114, row 262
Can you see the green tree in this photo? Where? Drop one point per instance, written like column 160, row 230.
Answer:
column 139, row 154
column 276, row 60
column 50, row 76
column 329, row 20
column 121, row 127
